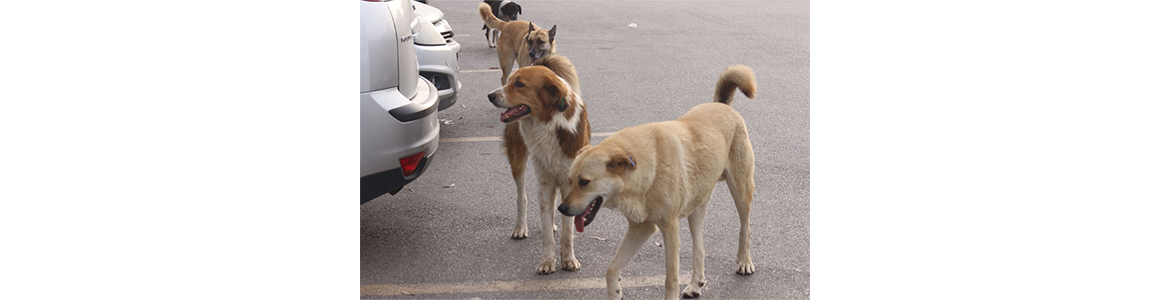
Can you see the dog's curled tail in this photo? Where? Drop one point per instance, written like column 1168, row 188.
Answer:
column 736, row 76
column 485, row 12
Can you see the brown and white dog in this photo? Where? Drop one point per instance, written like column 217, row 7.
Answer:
column 520, row 41
column 546, row 119
column 656, row 174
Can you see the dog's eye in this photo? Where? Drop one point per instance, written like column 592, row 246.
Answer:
column 582, row 182
column 519, row 85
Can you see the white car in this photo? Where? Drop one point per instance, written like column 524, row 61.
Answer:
column 438, row 52
column 399, row 119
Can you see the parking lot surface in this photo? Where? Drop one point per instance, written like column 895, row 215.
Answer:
column 448, row 234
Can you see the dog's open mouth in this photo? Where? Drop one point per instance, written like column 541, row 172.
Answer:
column 584, row 219
column 514, row 113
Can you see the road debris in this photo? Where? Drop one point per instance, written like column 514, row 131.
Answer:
column 449, row 186
column 447, row 121
column 597, row 238
column 407, row 293
column 407, row 188
column 632, row 25
column 657, row 244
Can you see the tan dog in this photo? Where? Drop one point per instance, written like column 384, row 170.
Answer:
column 520, row 41
column 658, row 173
column 546, row 117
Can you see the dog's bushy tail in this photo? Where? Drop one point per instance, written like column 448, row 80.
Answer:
column 485, row 12
column 736, row 76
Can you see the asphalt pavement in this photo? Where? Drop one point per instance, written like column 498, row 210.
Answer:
column 448, row 235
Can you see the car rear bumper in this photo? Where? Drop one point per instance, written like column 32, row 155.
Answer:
column 390, row 181
column 394, row 127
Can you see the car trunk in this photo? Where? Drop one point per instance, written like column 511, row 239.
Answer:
column 387, row 60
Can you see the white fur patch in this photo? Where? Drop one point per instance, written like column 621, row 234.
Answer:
column 500, row 101
column 543, row 145
column 545, row 150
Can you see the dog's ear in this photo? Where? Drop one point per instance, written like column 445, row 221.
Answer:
column 531, row 27
column 519, row 9
column 555, row 96
column 586, row 147
column 621, row 161
column 552, row 33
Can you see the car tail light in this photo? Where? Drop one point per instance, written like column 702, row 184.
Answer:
column 410, row 163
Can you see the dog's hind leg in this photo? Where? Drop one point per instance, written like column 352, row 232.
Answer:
column 506, row 61
column 636, row 235
column 517, row 157
column 740, row 175
column 698, row 275
column 495, row 36
column 487, row 34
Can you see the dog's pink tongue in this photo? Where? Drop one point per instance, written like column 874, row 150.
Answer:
column 579, row 220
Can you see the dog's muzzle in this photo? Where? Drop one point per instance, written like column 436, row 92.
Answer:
column 496, row 97
column 535, row 55
column 585, row 217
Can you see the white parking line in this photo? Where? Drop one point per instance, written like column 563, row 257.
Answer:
column 511, row 286
column 470, row 139
column 462, row 35
column 496, row 138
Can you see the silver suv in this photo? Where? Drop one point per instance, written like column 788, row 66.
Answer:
column 399, row 123
column 438, row 52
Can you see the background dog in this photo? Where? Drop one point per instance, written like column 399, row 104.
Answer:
column 520, row 41
column 546, row 118
column 658, row 173
column 505, row 10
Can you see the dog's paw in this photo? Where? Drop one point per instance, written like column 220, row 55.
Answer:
column 520, row 233
column 546, row 267
column 693, row 290
column 570, row 265
column 745, row 268
column 616, row 295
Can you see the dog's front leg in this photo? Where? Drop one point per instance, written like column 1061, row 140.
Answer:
column 568, row 258
column 698, row 275
column 548, row 260
column 670, row 238
column 520, row 231
column 636, row 235
column 518, row 158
